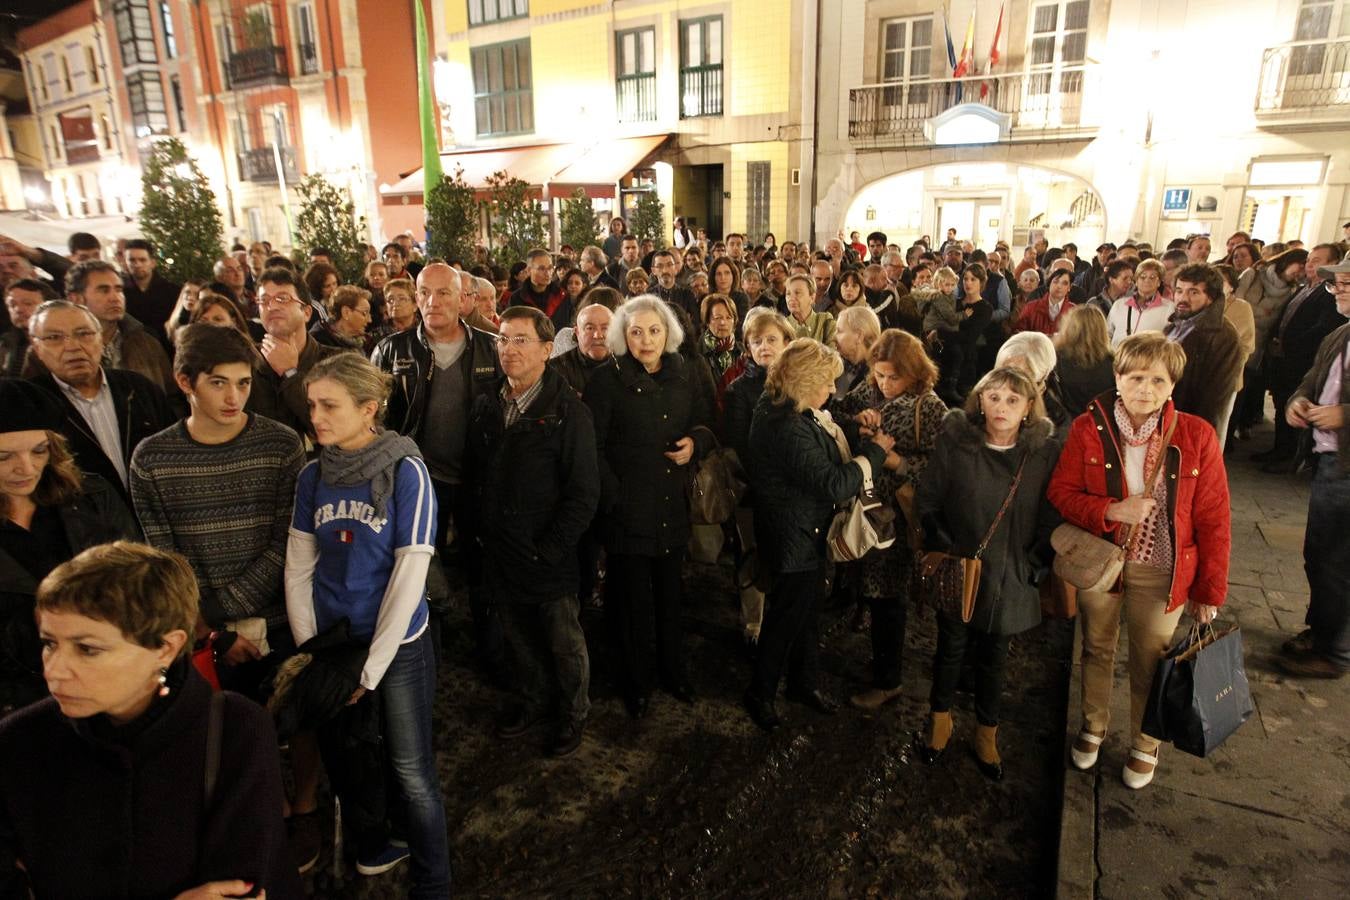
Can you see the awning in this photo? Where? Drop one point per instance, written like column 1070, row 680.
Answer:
column 50, row 233
column 545, row 166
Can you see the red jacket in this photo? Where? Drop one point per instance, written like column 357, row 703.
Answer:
column 1091, row 475
column 1036, row 316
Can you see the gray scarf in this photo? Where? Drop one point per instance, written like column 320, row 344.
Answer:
column 374, row 463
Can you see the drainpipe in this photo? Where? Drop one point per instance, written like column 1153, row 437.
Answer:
column 816, row 15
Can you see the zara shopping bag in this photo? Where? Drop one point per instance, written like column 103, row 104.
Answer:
column 1200, row 694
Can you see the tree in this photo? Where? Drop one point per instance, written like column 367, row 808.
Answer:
column 179, row 213
column 578, row 221
column 452, row 219
column 327, row 218
column 648, row 221
column 515, row 216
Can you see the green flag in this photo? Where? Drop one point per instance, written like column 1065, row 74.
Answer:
column 426, row 98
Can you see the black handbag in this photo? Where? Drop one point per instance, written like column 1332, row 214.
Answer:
column 1200, row 693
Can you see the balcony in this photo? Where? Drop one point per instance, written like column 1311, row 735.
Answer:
column 1305, row 82
column 309, row 58
column 637, row 97
column 1037, row 106
column 700, row 91
column 261, row 65
column 260, row 166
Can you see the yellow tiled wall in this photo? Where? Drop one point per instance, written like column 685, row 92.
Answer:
column 757, row 57
column 573, row 84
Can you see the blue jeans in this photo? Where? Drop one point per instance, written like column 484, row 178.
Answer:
column 1326, row 559
column 408, row 691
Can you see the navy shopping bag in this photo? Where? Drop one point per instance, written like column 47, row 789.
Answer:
column 1200, row 694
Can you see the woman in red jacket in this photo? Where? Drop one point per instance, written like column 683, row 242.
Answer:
column 1172, row 561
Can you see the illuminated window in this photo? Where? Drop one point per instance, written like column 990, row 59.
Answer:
column 135, row 36
column 481, row 12
column 906, row 56
column 503, row 96
column 166, row 22
column 176, row 91
column 635, row 87
column 701, row 67
column 1058, row 47
column 145, row 92
column 308, row 43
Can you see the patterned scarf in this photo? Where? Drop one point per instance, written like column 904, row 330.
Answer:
column 721, row 352
column 1151, row 543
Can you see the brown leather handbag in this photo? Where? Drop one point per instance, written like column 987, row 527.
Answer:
column 950, row 583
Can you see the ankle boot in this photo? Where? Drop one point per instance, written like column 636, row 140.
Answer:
column 939, row 733
column 986, row 752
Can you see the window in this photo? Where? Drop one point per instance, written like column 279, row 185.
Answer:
column 35, row 77
column 308, row 46
column 77, row 134
column 635, row 58
column 503, row 98
column 1058, row 47
column 701, row 67
column 176, row 92
column 482, row 12
column 106, row 127
column 1320, row 21
column 225, row 44
column 65, row 74
column 906, row 56
column 134, row 34
column 756, row 201
column 91, row 64
column 166, row 22
column 49, row 77
column 146, row 94
column 56, row 142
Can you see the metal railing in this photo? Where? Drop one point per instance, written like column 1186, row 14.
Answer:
column 309, row 58
column 636, row 95
column 1305, row 76
column 260, row 166
column 261, row 65
column 1037, row 102
column 700, row 91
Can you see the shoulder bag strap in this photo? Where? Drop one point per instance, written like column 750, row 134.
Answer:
column 1007, row 501
column 214, row 726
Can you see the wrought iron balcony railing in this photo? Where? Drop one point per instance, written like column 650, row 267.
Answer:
column 260, row 166
column 1305, row 79
column 701, row 91
column 1039, row 104
column 261, row 65
column 637, row 97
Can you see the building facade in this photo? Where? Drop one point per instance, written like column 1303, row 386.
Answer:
column 1100, row 119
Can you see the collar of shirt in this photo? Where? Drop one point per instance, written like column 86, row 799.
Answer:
column 1144, row 307
column 74, row 393
column 519, row 404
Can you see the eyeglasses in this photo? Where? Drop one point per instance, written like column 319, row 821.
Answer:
column 79, row 336
column 518, row 342
column 278, row 300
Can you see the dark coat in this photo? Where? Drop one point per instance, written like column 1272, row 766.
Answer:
column 552, row 301
column 959, row 495
column 638, row 416
column 798, row 481
column 576, row 368
column 284, row 399
column 1076, row 386
column 1316, row 379
column 1290, row 355
column 407, row 356
column 679, row 297
column 538, row 486
column 95, row 517
column 1214, row 360
column 739, row 408
column 91, row 816
column 141, row 408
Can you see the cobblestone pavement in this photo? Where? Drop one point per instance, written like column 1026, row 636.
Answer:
column 1265, row 815
column 698, row 802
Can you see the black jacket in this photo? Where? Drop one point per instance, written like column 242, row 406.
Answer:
column 95, row 517
column 798, row 480
column 407, row 356
column 537, row 488
column 959, row 495
column 284, row 399
column 1292, row 354
column 96, row 814
column 576, row 367
column 678, row 297
column 738, row 408
column 141, row 408
column 638, row 416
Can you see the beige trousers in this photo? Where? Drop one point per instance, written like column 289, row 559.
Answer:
column 1149, row 627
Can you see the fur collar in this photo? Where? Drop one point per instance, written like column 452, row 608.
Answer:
column 969, row 434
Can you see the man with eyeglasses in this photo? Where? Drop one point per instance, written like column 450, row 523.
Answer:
column 1322, row 403
column 663, row 267
column 288, row 352
column 97, row 286
column 107, row 411
column 439, row 368
column 540, row 291
column 532, row 445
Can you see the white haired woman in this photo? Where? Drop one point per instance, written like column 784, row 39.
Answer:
column 651, row 421
column 1034, row 353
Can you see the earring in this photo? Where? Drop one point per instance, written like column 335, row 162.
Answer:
column 164, row 682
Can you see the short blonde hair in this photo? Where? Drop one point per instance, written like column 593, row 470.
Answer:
column 358, row 376
column 804, row 366
column 617, row 336
column 1015, row 380
column 1037, row 349
column 144, row 592
column 1143, row 349
column 946, row 274
column 862, row 319
column 1150, row 265
column 761, row 319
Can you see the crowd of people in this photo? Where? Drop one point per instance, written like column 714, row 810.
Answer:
column 274, row 483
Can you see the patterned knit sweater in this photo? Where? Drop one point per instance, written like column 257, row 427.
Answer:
column 227, row 508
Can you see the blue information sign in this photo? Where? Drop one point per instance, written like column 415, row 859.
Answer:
column 1176, row 200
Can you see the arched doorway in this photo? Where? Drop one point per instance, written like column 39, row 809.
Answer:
column 985, row 202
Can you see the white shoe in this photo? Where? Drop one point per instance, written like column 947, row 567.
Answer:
column 1136, row 780
column 1086, row 760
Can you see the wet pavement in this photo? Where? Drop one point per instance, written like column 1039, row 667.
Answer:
column 696, row 801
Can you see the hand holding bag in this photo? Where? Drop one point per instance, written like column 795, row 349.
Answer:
column 861, row 526
column 950, row 583
column 1092, row 563
column 1200, row 694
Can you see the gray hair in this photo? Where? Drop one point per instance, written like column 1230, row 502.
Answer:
column 485, row 285
column 54, row 305
column 595, row 256
column 1036, row 348
column 617, row 337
